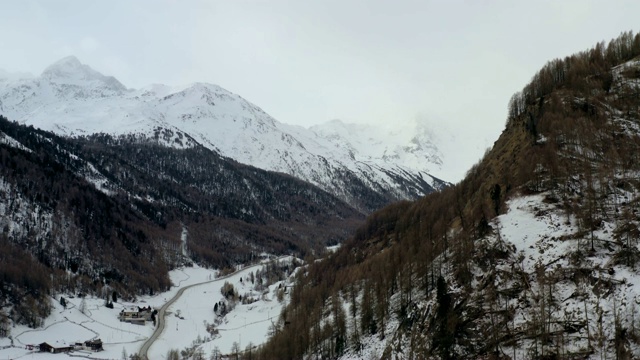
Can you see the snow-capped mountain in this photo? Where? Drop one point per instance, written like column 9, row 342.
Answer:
column 412, row 147
column 72, row 99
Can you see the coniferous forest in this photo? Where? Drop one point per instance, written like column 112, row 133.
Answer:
column 439, row 270
column 99, row 214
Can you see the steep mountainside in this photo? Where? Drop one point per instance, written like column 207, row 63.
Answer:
column 98, row 213
column 534, row 255
column 71, row 99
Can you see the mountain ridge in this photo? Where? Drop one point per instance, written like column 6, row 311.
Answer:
column 72, row 99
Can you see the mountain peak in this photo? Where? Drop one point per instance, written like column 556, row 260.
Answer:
column 69, row 64
column 70, row 98
column 71, row 60
column 71, row 70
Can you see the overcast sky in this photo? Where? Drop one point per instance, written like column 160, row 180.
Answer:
column 454, row 64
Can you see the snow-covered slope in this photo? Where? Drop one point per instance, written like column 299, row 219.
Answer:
column 411, row 146
column 543, row 277
column 72, row 99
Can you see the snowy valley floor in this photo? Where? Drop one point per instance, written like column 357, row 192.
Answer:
column 245, row 324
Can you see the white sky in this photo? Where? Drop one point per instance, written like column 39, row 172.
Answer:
column 454, row 64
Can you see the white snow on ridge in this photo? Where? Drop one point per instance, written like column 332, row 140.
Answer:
column 410, row 146
column 8, row 140
column 71, row 99
column 6, row 76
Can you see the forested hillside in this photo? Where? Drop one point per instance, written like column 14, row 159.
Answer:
column 533, row 255
column 100, row 214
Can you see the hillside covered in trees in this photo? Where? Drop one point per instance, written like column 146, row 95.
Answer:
column 99, row 214
column 533, row 255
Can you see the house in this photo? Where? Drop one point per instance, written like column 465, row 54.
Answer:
column 145, row 312
column 136, row 315
column 94, row 345
column 128, row 313
column 45, row 347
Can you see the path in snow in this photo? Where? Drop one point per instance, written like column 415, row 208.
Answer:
column 144, row 350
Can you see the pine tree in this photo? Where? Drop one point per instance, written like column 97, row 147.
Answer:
column 443, row 338
column 5, row 325
column 173, row 355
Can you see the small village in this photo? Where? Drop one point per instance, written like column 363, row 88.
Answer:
column 135, row 315
column 89, row 345
column 98, row 328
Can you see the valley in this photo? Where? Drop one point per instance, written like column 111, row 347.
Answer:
column 184, row 222
column 196, row 291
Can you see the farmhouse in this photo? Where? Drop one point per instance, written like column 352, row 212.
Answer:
column 45, row 347
column 136, row 315
column 94, row 345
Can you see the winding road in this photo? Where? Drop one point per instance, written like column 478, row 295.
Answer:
column 143, row 353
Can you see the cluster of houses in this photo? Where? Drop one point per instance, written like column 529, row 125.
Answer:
column 92, row 345
column 137, row 315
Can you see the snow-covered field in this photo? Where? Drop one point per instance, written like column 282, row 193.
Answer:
column 244, row 324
